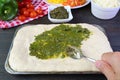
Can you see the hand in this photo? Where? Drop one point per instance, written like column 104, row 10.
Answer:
column 109, row 65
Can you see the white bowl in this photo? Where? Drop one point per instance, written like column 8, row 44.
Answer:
column 103, row 13
column 70, row 17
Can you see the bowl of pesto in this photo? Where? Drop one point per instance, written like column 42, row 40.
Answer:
column 59, row 14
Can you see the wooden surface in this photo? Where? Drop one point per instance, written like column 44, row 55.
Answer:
column 81, row 15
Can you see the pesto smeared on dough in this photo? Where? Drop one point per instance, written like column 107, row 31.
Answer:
column 53, row 43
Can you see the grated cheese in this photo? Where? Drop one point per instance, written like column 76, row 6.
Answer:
column 108, row 3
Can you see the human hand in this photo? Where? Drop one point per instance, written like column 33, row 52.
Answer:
column 109, row 65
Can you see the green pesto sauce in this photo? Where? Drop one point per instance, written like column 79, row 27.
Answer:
column 53, row 43
column 59, row 13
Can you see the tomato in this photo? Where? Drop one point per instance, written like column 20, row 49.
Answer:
column 26, row 13
column 21, row 5
column 27, row 10
column 39, row 11
column 33, row 14
column 22, row 18
column 30, row 10
column 22, row 10
column 30, row 5
column 27, row 0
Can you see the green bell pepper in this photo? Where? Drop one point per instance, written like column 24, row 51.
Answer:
column 8, row 9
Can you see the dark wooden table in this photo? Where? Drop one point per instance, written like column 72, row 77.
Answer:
column 81, row 15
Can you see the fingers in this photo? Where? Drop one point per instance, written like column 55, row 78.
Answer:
column 106, row 69
column 110, row 65
column 107, row 57
column 113, row 59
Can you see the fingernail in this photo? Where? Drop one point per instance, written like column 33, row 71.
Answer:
column 98, row 64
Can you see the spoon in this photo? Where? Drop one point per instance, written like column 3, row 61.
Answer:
column 76, row 53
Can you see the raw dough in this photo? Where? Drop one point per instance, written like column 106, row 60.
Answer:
column 20, row 60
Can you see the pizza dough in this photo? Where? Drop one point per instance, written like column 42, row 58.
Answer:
column 20, row 60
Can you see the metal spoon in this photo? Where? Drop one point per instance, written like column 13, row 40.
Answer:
column 76, row 53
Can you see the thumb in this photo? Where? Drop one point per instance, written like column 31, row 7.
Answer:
column 106, row 69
